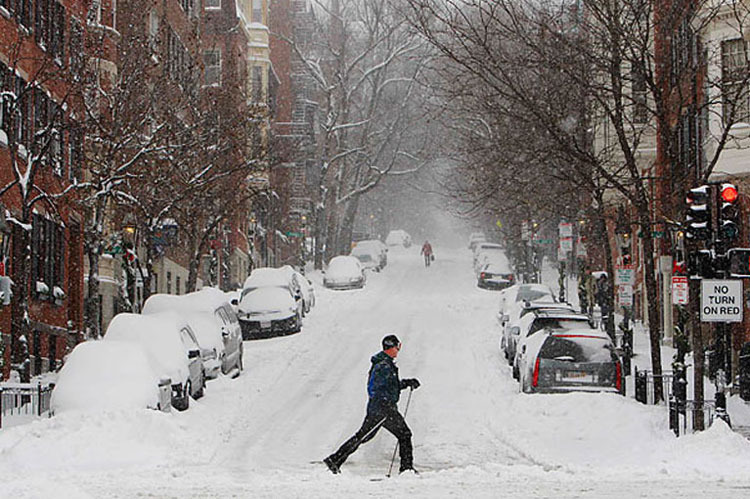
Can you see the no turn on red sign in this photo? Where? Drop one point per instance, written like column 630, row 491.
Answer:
column 721, row 300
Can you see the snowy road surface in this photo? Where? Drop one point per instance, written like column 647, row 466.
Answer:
column 303, row 395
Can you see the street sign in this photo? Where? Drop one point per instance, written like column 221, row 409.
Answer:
column 566, row 230
column 739, row 262
column 562, row 255
column 539, row 240
column 581, row 248
column 525, row 230
column 625, row 274
column 625, row 295
column 294, row 234
column 721, row 300
column 566, row 244
column 680, row 290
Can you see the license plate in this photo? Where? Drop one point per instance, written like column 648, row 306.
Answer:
column 265, row 324
column 578, row 377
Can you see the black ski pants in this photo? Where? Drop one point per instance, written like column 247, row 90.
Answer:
column 377, row 416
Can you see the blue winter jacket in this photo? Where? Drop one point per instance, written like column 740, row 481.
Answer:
column 383, row 385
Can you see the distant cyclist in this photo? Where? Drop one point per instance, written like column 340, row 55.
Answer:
column 427, row 252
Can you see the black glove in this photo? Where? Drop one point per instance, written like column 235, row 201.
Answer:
column 412, row 383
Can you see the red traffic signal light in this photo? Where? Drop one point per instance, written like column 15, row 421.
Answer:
column 728, row 193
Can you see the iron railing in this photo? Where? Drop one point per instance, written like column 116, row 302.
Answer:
column 644, row 386
column 24, row 401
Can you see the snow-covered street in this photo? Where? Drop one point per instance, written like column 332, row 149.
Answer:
column 302, row 395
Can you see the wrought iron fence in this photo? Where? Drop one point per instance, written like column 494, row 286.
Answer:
column 24, row 400
column 684, row 416
column 644, row 386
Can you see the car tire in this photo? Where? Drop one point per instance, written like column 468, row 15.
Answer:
column 185, row 402
column 516, row 374
column 240, row 362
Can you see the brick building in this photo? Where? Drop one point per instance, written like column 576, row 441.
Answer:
column 40, row 155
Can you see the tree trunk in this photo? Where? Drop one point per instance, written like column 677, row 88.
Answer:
column 92, row 289
column 21, row 265
column 319, row 236
column 608, row 264
column 653, row 300
column 347, row 225
column 149, row 271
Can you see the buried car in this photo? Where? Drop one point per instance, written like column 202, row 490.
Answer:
column 375, row 246
column 171, row 347
column 570, row 360
column 344, row 272
column 268, row 311
column 109, row 375
column 214, row 323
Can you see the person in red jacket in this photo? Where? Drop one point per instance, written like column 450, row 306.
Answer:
column 427, row 252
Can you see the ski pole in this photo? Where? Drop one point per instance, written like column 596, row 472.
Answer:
column 393, row 458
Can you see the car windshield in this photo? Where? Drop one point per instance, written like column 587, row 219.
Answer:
column 532, row 294
column 577, row 348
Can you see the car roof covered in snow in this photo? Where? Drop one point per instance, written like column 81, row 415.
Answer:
column 159, row 334
column 266, row 276
column 204, row 300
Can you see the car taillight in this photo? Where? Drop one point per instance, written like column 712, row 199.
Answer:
column 510, row 277
column 483, row 276
column 618, row 376
column 535, row 379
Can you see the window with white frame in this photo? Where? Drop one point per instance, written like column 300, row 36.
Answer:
column 638, row 89
column 257, row 82
column 258, row 11
column 212, row 67
column 734, row 67
column 212, row 4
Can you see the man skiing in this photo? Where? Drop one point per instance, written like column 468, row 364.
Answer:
column 427, row 252
column 384, row 389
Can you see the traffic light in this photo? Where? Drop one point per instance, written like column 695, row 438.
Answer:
column 700, row 264
column 729, row 214
column 698, row 217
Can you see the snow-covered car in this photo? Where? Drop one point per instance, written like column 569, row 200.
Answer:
column 171, row 347
column 368, row 257
column 485, row 253
column 304, row 285
column 267, row 311
column 344, row 272
column 570, row 360
column 537, row 319
column 495, row 276
column 398, row 237
column 476, row 238
column 378, row 247
column 108, row 375
column 267, row 277
column 214, row 322
column 513, row 298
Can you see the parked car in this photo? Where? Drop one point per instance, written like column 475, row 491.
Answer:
column 171, row 347
column 108, row 375
column 214, row 322
column 378, row 247
column 268, row 311
column 536, row 319
column 485, row 253
column 368, row 257
column 495, row 276
column 344, row 272
column 476, row 238
column 306, row 289
column 571, row 360
column 398, row 238
column 514, row 298
column 267, row 277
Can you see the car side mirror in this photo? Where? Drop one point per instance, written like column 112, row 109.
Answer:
column 506, row 318
column 224, row 332
column 515, row 331
column 523, row 349
column 194, row 354
column 323, row 272
column 235, row 302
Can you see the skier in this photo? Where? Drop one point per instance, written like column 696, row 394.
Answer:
column 383, row 388
column 427, row 252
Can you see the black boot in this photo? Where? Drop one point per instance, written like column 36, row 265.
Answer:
column 335, row 469
column 408, row 468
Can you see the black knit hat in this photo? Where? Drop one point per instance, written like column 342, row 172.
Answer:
column 390, row 341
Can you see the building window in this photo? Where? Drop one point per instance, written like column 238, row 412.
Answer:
column 169, row 282
column 258, row 11
column 734, row 67
column 52, row 352
column 76, row 49
column 212, row 64
column 257, row 82
column 640, row 108
column 75, row 153
column 94, row 15
column 48, row 252
column 212, row 4
column 153, row 29
column 187, row 5
column 177, row 285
